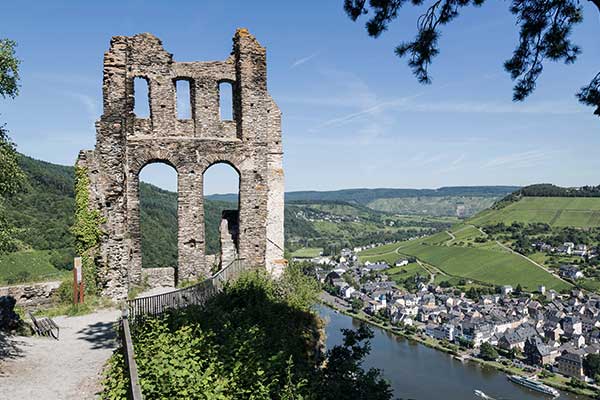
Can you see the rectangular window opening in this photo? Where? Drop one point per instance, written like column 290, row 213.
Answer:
column 226, row 101
column 141, row 97
column 184, row 99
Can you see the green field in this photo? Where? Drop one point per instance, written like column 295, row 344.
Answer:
column 487, row 263
column 578, row 212
column 28, row 266
column 399, row 274
column 307, row 252
column 434, row 205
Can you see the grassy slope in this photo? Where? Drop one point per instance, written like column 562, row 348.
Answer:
column 579, row 212
column 486, row 263
column 438, row 206
column 307, row 252
column 28, row 265
column 44, row 214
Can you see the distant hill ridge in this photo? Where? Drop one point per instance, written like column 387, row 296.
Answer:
column 550, row 190
column 365, row 196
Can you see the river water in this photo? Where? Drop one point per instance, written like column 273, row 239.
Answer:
column 418, row 372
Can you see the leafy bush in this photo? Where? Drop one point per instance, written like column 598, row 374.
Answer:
column 62, row 258
column 488, row 352
column 64, row 293
column 86, row 229
column 258, row 339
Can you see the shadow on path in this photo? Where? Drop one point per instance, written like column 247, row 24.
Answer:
column 101, row 335
column 10, row 348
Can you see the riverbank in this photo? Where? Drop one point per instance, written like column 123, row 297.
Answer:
column 556, row 381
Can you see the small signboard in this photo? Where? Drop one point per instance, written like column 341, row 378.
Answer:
column 78, row 284
column 77, row 267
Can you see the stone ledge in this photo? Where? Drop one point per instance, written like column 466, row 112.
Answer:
column 31, row 294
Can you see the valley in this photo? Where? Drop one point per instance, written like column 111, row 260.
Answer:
column 43, row 214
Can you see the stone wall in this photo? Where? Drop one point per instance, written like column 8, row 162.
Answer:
column 31, row 295
column 250, row 143
column 159, row 277
column 229, row 232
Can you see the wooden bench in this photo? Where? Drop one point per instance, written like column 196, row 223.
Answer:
column 45, row 326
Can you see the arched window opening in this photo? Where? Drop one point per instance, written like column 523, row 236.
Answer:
column 184, row 98
column 226, row 101
column 158, row 216
column 221, row 215
column 141, row 97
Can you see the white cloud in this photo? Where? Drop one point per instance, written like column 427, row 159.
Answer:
column 303, row 60
column 87, row 102
column 520, row 160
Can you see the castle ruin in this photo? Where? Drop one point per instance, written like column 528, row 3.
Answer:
column 125, row 143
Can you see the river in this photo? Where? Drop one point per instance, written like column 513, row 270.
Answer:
column 418, row 372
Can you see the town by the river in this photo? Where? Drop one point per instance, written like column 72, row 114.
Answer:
column 418, row 372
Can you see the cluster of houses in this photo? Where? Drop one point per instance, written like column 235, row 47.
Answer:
column 567, row 249
column 556, row 330
column 570, row 272
column 311, row 214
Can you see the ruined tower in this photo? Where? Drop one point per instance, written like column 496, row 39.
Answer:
column 250, row 143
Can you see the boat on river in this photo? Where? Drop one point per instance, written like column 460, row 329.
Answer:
column 534, row 384
column 482, row 395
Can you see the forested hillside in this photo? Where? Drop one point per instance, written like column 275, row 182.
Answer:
column 43, row 212
column 446, row 201
column 365, row 196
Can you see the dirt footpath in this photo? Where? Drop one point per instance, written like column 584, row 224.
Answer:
column 70, row 368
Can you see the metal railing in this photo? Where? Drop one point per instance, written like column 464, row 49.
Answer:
column 196, row 294
column 136, row 309
column 135, row 391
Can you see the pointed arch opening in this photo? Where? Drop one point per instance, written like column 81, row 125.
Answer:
column 221, row 214
column 159, row 216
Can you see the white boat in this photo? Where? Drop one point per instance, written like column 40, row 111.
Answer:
column 482, row 395
column 533, row 384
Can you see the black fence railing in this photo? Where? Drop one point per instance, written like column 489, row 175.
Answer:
column 196, row 294
column 137, row 309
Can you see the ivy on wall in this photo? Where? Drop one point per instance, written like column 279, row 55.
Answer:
column 86, row 230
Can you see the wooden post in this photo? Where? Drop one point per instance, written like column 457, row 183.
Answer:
column 78, row 286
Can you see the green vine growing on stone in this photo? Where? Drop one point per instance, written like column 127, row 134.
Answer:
column 86, row 230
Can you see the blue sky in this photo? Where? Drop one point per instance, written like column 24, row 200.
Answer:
column 353, row 114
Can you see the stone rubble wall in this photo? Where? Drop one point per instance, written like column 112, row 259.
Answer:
column 250, row 143
column 159, row 277
column 31, row 295
column 229, row 233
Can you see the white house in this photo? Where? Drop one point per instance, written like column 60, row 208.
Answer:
column 401, row 263
column 347, row 291
column 506, row 290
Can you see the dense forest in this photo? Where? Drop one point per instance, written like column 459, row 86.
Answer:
column 549, row 190
column 43, row 214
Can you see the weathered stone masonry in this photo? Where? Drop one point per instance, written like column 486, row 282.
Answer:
column 250, row 143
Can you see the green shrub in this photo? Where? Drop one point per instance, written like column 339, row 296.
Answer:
column 86, row 229
column 258, row 339
column 64, row 293
column 62, row 258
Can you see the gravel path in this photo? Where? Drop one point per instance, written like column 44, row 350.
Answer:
column 42, row 368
